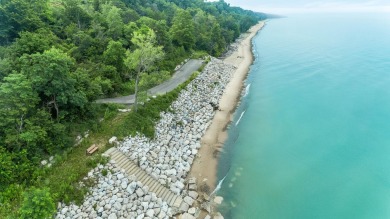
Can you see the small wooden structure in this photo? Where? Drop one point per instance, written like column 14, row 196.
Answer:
column 91, row 149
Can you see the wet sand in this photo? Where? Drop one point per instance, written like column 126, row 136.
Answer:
column 205, row 165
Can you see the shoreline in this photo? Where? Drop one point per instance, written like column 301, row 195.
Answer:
column 205, row 166
column 204, row 108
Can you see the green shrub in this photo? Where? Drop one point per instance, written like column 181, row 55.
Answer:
column 128, row 87
column 37, row 204
column 8, row 168
column 10, row 200
column 74, row 193
column 95, row 160
column 111, row 110
column 199, row 54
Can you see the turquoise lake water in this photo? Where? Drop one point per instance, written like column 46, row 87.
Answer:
column 314, row 141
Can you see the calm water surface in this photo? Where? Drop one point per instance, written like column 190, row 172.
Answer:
column 314, row 141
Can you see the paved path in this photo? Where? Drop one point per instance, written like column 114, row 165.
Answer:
column 154, row 186
column 179, row 77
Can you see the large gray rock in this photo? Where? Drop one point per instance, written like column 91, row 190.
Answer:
column 192, row 210
column 112, row 216
column 140, row 192
column 102, row 203
column 175, row 190
column 179, row 185
column 157, row 211
column 140, row 216
column 172, row 172
column 150, row 213
column 120, row 176
column 145, row 205
column 64, row 210
column 147, row 198
column 131, row 187
column 112, row 140
column 124, row 184
column 206, row 206
column 187, row 216
column 107, row 206
column 193, row 194
column 145, row 189
column 117, row 206
column 218, row 200
column 188, row 200
column 184, row 207
column 192, row 187
column 162, row 215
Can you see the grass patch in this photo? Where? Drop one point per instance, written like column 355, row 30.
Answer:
column 143, row 121
column 69, row 169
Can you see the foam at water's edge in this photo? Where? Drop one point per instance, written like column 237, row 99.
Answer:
column 242, row 114
column 219, row 185
column 247, row 90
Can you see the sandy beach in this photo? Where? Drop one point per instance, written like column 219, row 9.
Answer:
column 205, row 165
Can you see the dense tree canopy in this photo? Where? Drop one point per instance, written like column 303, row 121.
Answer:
column 182, row 30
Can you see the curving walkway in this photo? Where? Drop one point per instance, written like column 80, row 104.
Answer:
column 179, row 77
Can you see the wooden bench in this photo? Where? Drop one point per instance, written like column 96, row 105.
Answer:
column 91, row 150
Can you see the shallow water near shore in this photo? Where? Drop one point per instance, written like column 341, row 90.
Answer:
column 311, row 139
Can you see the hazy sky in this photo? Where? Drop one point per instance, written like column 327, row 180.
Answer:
column 294, row 6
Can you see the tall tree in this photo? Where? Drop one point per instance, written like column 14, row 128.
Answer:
column 74, row 13
column 17, row 104
column 50, row 74
column 5, row 67
column 143, row 58
column 37, row 204
column 114, row 20
column 182, row 30
column 114, row 55
column 33, row 42
column 23, row 126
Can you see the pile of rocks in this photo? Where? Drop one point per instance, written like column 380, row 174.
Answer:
column 169, row 156
column 116, row 195
column 190, row 197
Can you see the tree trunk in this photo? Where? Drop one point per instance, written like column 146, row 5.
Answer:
column 136, row 90
column 20, row 128
column 57, row 110
column 54, row 102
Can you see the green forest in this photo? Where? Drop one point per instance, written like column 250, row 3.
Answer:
column 58, row 56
